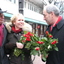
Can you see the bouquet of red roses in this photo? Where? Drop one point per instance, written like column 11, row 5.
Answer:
column 36, row 45
column 30, row 42
column 49, row 44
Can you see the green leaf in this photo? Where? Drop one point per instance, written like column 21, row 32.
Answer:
column 25, row 32
column 35, row 38
column 44, row 39
column 44, row 58
column 56, row 48
column 34, row 52
column 17, row 52
column 28, row 45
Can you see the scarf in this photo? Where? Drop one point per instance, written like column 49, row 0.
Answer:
column 59, row 19
column 1, row 34
column 16, row 31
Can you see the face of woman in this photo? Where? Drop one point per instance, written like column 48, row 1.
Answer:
column 19, row 22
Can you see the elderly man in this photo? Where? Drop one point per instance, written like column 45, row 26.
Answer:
column 56, row 28
column 3, row 35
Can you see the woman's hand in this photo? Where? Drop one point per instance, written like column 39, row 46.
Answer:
column 19, row 45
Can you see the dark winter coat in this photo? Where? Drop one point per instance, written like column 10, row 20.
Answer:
column 57, row 57
column 3, row 56
column 11, row 44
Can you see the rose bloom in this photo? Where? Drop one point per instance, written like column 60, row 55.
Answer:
column 28, row 39
column 37, row 48
column 30, row 34
column 25, row 35
column 54, row 42
column 47, row 32
column 39, row 42
column 50, row 36
column 23, row 40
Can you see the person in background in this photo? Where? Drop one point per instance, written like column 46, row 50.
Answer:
column 56, row 28
column 3, row 36
column 16, row 30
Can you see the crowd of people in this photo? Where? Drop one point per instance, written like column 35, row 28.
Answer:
column 11, row 32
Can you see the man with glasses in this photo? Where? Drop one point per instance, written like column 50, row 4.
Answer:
column 3, row 36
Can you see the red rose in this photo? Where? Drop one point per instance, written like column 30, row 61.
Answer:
column 50, row 36
column 23, row 40
column 39, row 42
column 54, row 42
column 37, row 48
column 47, row 32
column 26, row 36
column 30, row 34
column 28, row 39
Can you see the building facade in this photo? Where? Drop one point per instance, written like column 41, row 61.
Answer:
column 32, row 11
column 10, row 6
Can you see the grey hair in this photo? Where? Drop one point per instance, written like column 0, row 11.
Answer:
column 52, row 8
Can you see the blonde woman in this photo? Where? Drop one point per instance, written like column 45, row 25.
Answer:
column 15, row 29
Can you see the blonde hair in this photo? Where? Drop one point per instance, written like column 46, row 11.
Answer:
column 14, row 17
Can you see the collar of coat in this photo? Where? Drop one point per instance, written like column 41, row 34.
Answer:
column 60, row 24
column 27, row 27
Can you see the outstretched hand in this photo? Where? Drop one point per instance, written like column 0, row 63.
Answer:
column 19, row 45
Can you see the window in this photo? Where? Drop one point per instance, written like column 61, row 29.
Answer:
column 32, row 6
column 20, row 5
column 13, row 1
column 9, row 0
column 25, row 4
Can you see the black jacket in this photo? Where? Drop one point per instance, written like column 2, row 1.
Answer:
column 57, row 57
column 11, row 44
column 3, row 55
